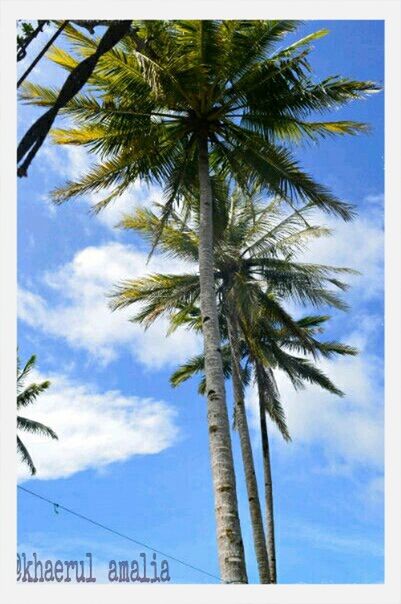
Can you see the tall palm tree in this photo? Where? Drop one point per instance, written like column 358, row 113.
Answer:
column 27, row 395
column 177, row 104
column 252, row 263
column 268, row 394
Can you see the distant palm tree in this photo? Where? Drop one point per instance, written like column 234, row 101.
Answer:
column 27, row 396
column 255, row 272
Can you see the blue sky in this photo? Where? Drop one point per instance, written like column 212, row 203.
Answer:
column 132, row 453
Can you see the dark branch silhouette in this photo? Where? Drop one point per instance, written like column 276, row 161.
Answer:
column 41, row 54
column 35, row 136
column 24, row 42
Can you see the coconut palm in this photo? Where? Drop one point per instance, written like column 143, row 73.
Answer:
column 270, row 404
column 27, row 395
column 252, row 263
column 177, row 104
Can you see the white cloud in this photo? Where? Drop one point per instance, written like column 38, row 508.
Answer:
column 94, row 428
column 67, row 161
column 373, row 493
column 358, row 245
column 81, row 315
column 349, row 429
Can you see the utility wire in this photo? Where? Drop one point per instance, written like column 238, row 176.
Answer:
column 58, row 506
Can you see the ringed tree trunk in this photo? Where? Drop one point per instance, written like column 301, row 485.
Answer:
column 246, row 451
column 229, row 538
column 270, row 538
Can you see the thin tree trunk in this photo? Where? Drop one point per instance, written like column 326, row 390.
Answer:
column 247, row 455
column 229, row 538
column 270, row 538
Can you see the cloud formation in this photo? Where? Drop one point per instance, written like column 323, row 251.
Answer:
column 358, row 245
column 94, row 428
column 77, row 310
column 349, row 429
column 330, row 538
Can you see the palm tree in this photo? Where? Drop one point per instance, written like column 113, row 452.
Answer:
column 268, row 394
column 27, row 396
column 252, row 263
column 183, row 102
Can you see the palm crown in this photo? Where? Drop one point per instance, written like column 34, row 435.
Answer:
column 169, row 84
column 277, row 351
column 256, row 266
column 254, row 258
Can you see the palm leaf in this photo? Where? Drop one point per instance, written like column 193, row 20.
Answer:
column 29, row 425
column 30, row 394
column 25, row 456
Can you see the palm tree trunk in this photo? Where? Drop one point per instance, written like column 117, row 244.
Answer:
column 270, row 538
column 229, row 538
column 247, row 455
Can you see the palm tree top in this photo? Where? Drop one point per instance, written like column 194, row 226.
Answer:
column 256, row 245
column 256, row 264
column 170, row 85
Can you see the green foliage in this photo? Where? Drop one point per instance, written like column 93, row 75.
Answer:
column 169, row 83
column 255, row 251
column 26, row 31
column 256, row 268
column 27, row 395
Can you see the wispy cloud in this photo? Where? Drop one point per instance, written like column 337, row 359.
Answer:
column 326, row 538
column 70, row 163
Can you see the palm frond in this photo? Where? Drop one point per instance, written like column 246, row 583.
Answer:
column 174, row 240
column 29, row 425
column 25, row 456
column 29, row 365
column 26, row 396
column 158, row 294
column 271, row 398
column 30, row 394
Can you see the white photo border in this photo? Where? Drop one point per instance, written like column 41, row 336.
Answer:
column 388, row 10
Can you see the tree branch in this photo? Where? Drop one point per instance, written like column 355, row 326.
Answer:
column 35, row 136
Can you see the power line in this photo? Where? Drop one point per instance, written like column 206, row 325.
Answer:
column 58, row 506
